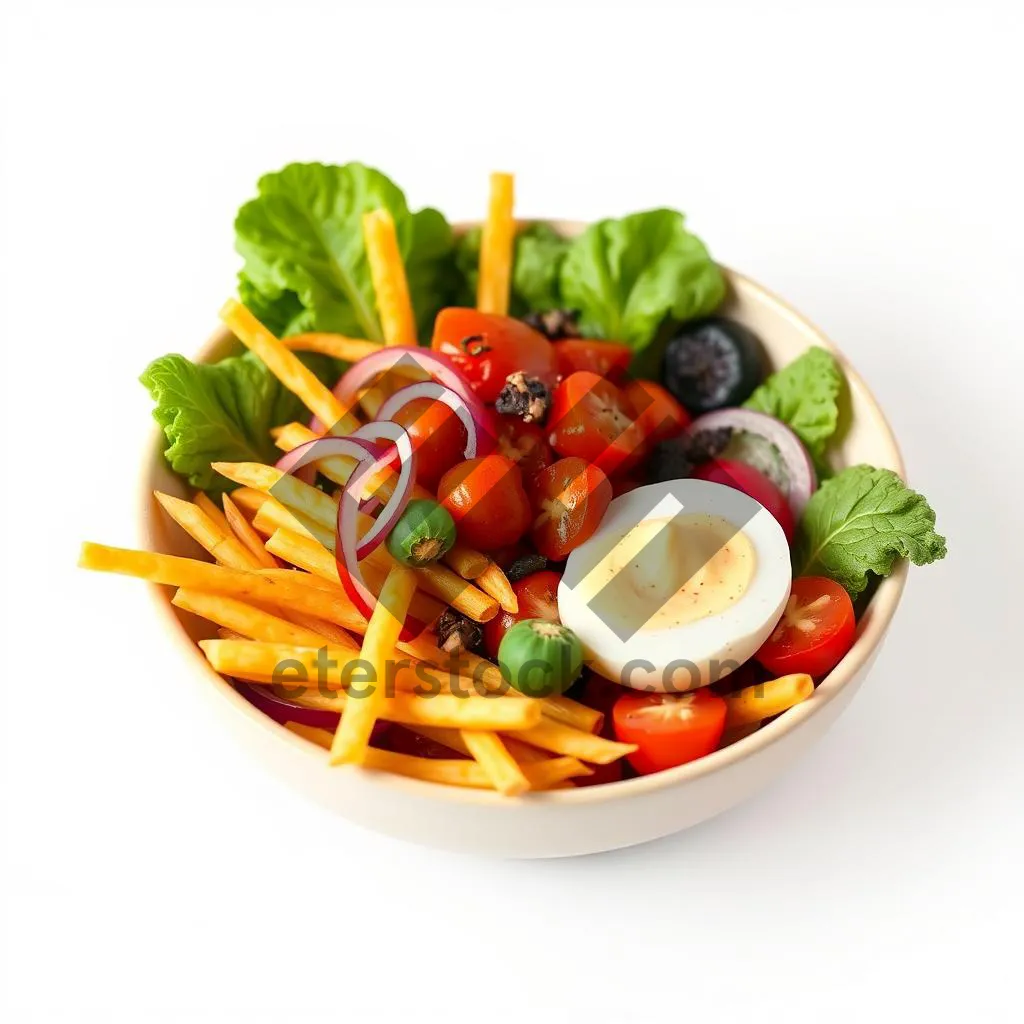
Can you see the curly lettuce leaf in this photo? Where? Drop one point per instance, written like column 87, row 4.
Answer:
column 861, row 522
column 537, row 260
column 302, row 236
column 805, row 396
column 281, row 312
column 221, row 412
column 626, row 277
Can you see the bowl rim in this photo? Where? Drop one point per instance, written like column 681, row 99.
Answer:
column 870, row 630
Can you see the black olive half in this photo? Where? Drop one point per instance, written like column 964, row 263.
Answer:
column 711, row 364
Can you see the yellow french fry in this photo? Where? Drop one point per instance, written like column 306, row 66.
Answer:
column 387, row 271
column 352, row 739
column 246, row 535
column 492, row 295
column 245, row 619
column 288, row 369
column 763, row 700
column 225, row 547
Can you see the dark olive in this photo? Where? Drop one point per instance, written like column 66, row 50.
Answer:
column 713, row 363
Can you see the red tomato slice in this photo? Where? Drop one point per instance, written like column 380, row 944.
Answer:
column 591, row 419
column 569, row 501
column 601, row 357
column 669, row 729
column 753, row 483
column 438, row 438
column 815, row 631
column 486, row 348
column 487, row 500
column 538, row 599
column 656, row 410
column 524, row 444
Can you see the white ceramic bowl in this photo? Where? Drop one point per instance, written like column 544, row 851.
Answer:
column 571, row 821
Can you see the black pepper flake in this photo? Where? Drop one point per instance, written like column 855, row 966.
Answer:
column 555, row 323
column 524, row 396
column 456, row 633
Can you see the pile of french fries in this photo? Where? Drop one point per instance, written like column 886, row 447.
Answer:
column 274, row 593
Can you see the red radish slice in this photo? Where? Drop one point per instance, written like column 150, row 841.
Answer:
column 473, row 416
column 801, row 480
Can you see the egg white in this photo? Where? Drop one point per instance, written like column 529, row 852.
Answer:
column 699, row 652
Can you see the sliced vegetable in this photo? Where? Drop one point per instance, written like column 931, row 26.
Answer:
column 769, row 446
column 861, row 522
column 487, row 501
column 603, row 357
column 815, row 631
column 668, row 729
column 752, row 482
column 591, row 419
column 486, row 349
column 569, row 501
column 474, row 419
column 626, row 277
column 713, row 363
column 804, row 395
column 424, row 533
column 657, row 413
column 537, row 595
column 524, row 444
column 540, row 658
column 438, row 437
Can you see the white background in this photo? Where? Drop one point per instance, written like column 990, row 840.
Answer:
column 862, row 161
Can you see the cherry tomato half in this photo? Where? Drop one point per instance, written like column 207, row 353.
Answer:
column 486, row 348
column 601, row 357
column 751, row 482
column 669, row 729
column 524, row 444
column 538, row 599
column 591, row 419
column 815, row 631
column 487, row 501
column 656, row 411
column 438, row 438
column 569, row 501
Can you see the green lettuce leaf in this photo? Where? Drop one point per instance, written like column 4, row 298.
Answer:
column 805, row 396
column 537, row 260
column 626, row 277
column 224, row 411
column 302, row 242
column 860, row 522
column 281, row 312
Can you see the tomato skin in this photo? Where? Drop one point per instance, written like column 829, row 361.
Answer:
column 823, row 606
column 590, row 419
column 657, row 412
column 601, row 357
column 524, row 444
column 438, row 438
column 538, row 599
column 487, row 501
column 667, row 738
column 751, row 482
column 486, row 348
column 569, row 501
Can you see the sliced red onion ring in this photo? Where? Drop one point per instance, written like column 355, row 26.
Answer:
column 473, row 416
column 801, row 480
column 349, row 549
column 372, row 366
column 355, row 446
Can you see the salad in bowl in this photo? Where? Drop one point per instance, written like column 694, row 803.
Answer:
column 520, row 508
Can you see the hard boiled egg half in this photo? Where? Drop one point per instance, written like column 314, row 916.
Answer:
column 682, row 582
